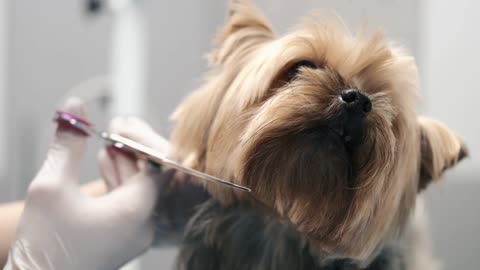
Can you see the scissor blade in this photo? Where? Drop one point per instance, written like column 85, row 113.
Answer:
column 159, row 158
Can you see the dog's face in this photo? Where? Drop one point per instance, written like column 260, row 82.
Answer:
column 320, row 124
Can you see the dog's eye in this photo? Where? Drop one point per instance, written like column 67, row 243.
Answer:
column 293, row 70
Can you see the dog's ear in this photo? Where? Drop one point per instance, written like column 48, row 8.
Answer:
column 246, row 27
column 440, row 150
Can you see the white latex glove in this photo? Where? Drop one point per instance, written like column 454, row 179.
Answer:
column 63, row 229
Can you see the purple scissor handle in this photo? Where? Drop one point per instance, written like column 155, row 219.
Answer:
column 139, row 150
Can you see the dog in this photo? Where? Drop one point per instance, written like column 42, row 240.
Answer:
column 320, row 123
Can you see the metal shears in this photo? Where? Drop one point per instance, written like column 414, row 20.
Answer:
column 139, row 150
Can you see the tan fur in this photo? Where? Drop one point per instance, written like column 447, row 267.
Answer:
column 245, row 124
column 440, row 149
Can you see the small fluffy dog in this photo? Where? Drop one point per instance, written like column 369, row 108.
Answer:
column 321, row 125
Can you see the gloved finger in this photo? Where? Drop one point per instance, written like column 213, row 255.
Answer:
column 67, row 149
column 139, row 131
column 108, row 171
column 125, row 163
column 136, row 200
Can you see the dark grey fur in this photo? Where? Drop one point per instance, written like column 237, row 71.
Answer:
column 246, row 238
column 177, row 203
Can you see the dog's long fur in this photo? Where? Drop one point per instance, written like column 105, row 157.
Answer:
column 313, row 195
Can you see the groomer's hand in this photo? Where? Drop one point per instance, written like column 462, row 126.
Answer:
column 63, row 229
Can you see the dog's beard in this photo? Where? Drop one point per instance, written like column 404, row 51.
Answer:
column 303, row 174
column 304, row 167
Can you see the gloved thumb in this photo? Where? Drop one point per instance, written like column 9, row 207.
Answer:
column 68, row 146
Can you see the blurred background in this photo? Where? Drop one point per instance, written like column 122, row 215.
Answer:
column 49, row 47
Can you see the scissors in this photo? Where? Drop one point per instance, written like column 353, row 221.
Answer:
column 139, row 150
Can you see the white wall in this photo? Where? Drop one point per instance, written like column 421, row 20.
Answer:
column 3, row 87
column 449, row 43
column 450, row 67
column 52, row 47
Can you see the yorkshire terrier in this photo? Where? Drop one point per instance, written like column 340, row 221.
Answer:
column 321, row 125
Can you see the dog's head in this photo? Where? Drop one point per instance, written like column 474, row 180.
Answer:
column 320, row 124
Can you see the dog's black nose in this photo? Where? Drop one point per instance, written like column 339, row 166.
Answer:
column 353, row 124
column 356, row 101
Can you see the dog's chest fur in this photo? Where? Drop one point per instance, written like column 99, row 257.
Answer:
column 241, row 238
